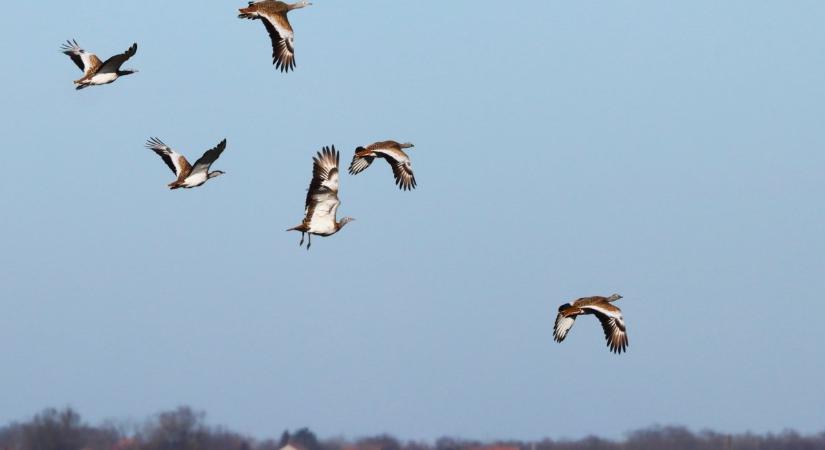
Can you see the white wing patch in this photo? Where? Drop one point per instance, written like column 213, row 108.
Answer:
column 277, row 22
column 332, row 182
column 169, row 156
column 359, row 164
column 609, row 311
column 563, row 326
column 86, row 57
column 87, row 60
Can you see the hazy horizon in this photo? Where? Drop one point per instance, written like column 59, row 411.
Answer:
column 58, row 423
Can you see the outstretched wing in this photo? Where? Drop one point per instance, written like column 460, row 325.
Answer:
column 324, row 172
column 204, row 162
column 322, row 196
column 404, row 177
column 113, row 64
column 612, row 324
column 173, row 159
column 401, row 166
column 562, row 326
column 361, row 160
column 280, row 32
column 87, row 62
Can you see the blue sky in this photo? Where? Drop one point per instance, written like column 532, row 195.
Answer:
column 671, row 153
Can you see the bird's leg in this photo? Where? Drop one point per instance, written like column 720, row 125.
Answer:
column 300, row 244
column 309, row 242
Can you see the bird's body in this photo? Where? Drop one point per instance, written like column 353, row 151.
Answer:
column 609, row 316
column 321, row 206
column 100, row 79
column 394, row 154
column 95, row 71
column 273, row 14
column 188, row 176
column 193, row 180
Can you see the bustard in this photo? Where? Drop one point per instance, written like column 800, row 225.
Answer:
column 322, row 198
column 395, row 156
column 188, row 176
column 96, row 72
column 274, row 16
column 609, row 316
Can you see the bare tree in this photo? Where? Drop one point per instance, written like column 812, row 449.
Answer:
column 53, row 430
column 185, row 429
column 180, row 429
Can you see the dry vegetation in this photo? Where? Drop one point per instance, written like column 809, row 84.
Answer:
column 185, row 429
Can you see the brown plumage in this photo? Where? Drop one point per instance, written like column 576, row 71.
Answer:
column 188, row 176
column 609, row 316
column 392, row 152
column 95, row 71
column 273, row 14
column 321, row 206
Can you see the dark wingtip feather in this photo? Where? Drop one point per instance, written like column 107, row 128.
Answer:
column 155, row 142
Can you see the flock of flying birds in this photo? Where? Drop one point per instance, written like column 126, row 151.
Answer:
column 321, row 207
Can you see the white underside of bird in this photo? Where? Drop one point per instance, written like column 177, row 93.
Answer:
column 323, row 229
column 194, row 180
column 323, row 219
column 103, row 78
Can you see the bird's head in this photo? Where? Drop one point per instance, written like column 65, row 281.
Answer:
column 345, row 221
column 216, row 173
column 303, row 4
column 614, row 297
column 407, row 145
column 126, row 72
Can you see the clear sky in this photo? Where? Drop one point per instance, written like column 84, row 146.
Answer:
column 674, row 153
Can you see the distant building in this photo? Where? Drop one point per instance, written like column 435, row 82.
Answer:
column 293, row 446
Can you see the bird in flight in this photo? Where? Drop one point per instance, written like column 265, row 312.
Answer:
column 609, row 316
column 273, row 14
column 392, row 152
column 322, row 198
column 188, row 176
column 96, row 72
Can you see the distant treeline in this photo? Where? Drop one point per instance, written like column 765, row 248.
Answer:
column 186, row 429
